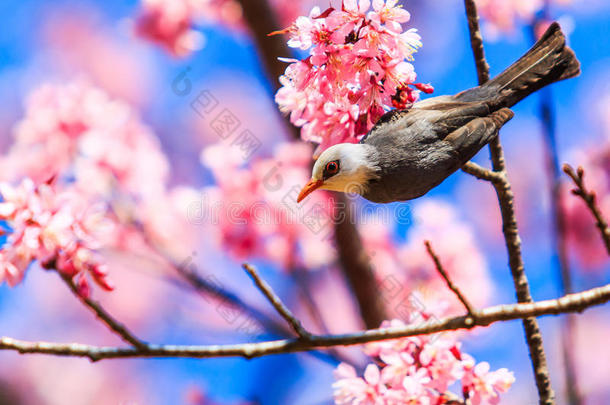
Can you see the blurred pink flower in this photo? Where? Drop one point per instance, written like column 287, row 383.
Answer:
column 501, row 16
column 80, row 136
column 254, row 210
column 169, row 23
column 410, row 265
column 77, row 130
column 59, row 229
column 419, row 370
column 355, row 71
column 79, row 43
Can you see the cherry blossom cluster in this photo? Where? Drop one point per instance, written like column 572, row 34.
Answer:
column 419, row 370
column 78, row 131
column 96, row 147
column 358, row 67
column 254, row 212
column 59, row 229
column 408, row 264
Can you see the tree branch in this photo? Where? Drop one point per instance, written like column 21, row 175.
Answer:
column 220, row 293
column 279, row 306
column 443, row 273
column 485, row 317
column 356, row 265
column 589, row 198
column 261, row 20
column 509, row 225
column 482, row 173
column 476, row 41
column 112, row 324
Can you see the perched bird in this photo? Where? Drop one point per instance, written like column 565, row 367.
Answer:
column 408, row 152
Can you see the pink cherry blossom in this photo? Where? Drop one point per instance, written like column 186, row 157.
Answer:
column 254, row 209
column 79, row 135
column 350, row 389
column 408, row 264
column 483, row 386
column 59, row 229
column 419, row 370
column 356, row 70
column 169, row 23
column 76, row 130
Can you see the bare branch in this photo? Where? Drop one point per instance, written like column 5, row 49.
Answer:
column 476, row 41
column 509, row 225
column 443, row 273
column 590, row 199
column 114, row 325
column 279, row 306
column 485, row 317
column 203, row 286
column 211, row 289
column 482, row 173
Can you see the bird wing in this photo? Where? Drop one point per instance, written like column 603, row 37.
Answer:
column 434, row 118
column 468, row 139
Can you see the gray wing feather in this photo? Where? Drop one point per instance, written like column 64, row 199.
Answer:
column 470, row 138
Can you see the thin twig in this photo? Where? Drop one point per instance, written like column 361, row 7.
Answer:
column 443, row 273
column 204, row 286
column 212, row 289
column 509, row 225
column 570, row 303
column 114, row 325
column 590, row 199
column 189, row 273
column 476, row 41
column 279, row 306
column 482, row 173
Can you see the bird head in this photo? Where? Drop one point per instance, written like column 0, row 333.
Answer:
column 344, row 167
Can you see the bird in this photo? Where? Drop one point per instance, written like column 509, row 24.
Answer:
column 409, row 152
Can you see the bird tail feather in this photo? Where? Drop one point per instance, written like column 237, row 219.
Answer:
column 548, row 61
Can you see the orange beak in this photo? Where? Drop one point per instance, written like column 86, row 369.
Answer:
column 309, row 188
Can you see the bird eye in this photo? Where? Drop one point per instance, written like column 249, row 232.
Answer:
column 332, row 167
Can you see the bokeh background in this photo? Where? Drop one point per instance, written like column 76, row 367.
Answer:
column 65, row 41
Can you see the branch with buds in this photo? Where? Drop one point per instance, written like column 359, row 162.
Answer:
column 588, row 196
